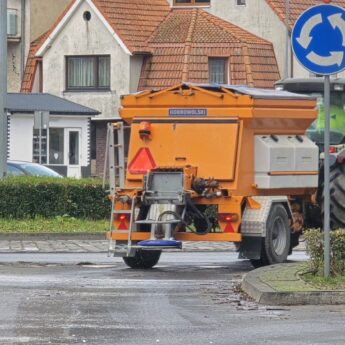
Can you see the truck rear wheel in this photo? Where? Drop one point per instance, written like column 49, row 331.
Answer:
column 143, row 259
column 276, row 245
column 337, row 197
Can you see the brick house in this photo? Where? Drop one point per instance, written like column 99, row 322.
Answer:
column 98, row 50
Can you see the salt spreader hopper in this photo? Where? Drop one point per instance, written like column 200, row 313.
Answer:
column 212, row 163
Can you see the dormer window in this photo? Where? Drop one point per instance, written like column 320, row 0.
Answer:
column 192, row 2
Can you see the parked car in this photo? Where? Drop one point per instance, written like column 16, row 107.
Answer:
column 18, row 168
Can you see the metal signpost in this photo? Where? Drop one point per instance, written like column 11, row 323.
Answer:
column 318, row 42
column 3, row 87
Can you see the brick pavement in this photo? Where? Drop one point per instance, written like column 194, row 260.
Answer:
column 90, row 246
column 94, row 246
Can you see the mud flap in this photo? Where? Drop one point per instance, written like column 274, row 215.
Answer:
column 250, row 248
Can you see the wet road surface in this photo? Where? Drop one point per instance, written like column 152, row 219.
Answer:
column 190, row 298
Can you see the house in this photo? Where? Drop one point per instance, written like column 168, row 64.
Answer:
column 264, row 18
column 99, row 50
column 65, row 138
column 26, row 20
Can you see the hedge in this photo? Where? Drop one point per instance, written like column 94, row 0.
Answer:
column 30, row 197
column 315, row 249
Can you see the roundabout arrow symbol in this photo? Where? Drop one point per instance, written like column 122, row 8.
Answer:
column 336, row 58
column 337, row 21
column 305, row 38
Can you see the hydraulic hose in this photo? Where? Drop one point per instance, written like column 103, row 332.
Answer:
column 199, row 214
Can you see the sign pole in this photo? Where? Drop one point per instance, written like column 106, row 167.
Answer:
column 326, row 222
column 3, row 88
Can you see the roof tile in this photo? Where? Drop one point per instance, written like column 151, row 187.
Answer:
column 191, row 36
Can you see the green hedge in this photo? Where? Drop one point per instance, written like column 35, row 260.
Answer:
column 315, row 249
column 30, row 197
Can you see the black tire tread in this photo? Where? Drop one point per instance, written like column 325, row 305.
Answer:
column 337, row 197
column 143, row 259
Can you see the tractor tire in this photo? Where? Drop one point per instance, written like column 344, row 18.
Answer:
column 143, row 259
column 337, row 197
column 277, row 243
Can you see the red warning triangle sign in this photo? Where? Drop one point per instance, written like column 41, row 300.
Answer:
column 142, row 162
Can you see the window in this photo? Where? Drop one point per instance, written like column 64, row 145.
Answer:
column 56, row 145
column 37, row 153
column 217, row 70
column 73, row 154
column 12, row 19
column 191, row 2
column 87, row 73
column 241, row 2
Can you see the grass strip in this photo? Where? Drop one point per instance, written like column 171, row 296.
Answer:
column 53, row 225
column 322, row 283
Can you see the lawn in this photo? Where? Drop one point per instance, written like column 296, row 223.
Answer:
column 322, row 283
column 53, row 225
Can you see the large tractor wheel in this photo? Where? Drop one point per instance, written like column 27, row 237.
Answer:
column 143, row 259
column 337, row 197
column 276, row 245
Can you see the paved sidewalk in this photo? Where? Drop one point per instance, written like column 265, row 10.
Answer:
column 92, row 246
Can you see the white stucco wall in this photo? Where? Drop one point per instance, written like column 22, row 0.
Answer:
column 79, row 37
column 21, row 133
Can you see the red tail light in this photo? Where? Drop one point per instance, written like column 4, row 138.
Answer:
column 227, row 218
column 123, row 220
column 142, row 162
column 332, row 149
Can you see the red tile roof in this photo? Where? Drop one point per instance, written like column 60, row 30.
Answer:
column 31, row 65
column 182, row 44
column 134, row 20
column 297, row 7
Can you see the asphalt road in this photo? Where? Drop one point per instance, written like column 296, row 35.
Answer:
column 190, row 298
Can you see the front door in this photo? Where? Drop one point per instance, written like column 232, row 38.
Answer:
column 73, row 152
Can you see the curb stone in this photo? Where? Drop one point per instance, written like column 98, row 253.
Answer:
column 258, row 286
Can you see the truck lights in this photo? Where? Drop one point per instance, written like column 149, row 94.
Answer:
column 123, row 222
column 227, row 218
column 142, row 162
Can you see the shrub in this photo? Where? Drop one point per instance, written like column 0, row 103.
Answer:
column 315, row 249
column 29, row 197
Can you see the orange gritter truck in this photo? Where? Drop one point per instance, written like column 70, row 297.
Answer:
column 212, row 163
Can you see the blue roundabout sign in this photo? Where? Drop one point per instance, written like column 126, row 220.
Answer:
column 318, row 39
